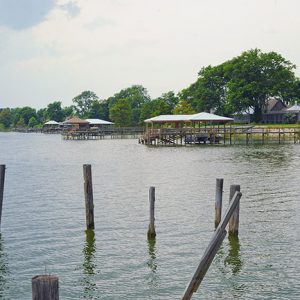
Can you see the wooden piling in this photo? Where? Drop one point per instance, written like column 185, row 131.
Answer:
column 2, row 177
column 151, row 228
column 45, row 287
column 211, row 249
column 88, row 195
column 234, row 220
column 218, row 201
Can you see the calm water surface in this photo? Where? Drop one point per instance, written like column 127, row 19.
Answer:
column 43, row 221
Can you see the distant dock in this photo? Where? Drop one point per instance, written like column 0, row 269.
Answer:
column 112, row 133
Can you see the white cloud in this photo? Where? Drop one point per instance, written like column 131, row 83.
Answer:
column 110, row 44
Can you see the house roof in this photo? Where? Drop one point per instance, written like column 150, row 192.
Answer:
column 98, row 122
column 75, row 120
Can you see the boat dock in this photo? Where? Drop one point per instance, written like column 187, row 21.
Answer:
column 103, row 133
column 228, row 135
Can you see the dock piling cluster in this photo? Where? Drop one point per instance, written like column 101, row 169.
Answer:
column 45, row 287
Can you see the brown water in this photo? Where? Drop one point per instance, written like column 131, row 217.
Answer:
column 43, row 223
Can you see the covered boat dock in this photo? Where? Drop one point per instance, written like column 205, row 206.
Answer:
column 185, row 129
column 206, row 128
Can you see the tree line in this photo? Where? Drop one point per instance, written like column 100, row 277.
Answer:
column 243, row 82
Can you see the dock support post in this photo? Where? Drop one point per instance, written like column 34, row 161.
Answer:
column 88, row 195
column 151, row 229
column 234, row 220
column 218, row 201
column 45, row 287
column 2, row 177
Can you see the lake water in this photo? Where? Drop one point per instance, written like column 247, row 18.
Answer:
column 43, row 220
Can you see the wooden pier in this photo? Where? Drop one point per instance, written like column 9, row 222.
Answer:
column 220, row 135
column 99, row 134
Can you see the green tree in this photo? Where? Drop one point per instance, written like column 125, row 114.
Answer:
column 41, row 115
column 5, row 117
column 136, row 96
column 256, row 76
column 32, row 122
column 163, row 105
column 24, row 113
column 21, row 123
column 55, row 112
column 83, row 103
column 121, row 113
column 248, row 80
column 171, row 99
column 68, row 111
column 183, row 108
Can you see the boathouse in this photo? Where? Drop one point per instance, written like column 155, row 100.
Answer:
column 76, row 124
column 51, row 125
column 184, row 129
column 98, row 123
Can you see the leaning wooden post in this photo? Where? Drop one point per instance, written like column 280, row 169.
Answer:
column 234, row 220
column 88, row 195
column 218, row 201
column 2, row 177
column 151, row 229
column 211, row 249
column 45, row 287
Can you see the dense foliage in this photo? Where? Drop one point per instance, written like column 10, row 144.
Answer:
column 246, row 81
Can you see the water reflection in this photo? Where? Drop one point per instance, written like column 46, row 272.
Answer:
column 3, row 270
column 152, row 254
column 276, row 156
column 153, row 277
column 89, row 266
column 233, row 258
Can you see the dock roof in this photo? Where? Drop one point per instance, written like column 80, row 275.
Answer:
column 51, row 122
column 75, row 120
column 200, row 117
column 99, row 122
column 207, row 117
column 168, row 118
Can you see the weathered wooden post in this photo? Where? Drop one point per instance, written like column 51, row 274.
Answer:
column 218, row 201
column 88, row 195
column 2, row 177
column 45, row 287
column 211, row 249
column 234, row 220
column 151, row 228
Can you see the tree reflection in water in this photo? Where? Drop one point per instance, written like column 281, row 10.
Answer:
column 233, row 258
column 3, row 270
column 153, row 277
column 89, row 266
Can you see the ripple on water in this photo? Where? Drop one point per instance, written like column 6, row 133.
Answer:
column 43, row 226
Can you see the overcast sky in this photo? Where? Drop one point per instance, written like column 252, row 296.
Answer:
column 52, row 50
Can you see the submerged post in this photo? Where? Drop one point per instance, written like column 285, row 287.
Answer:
column 218, row 201
column 151, row 229
column 234, row 220
column 88, row 195
column 2, row 177
column 45, row 287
